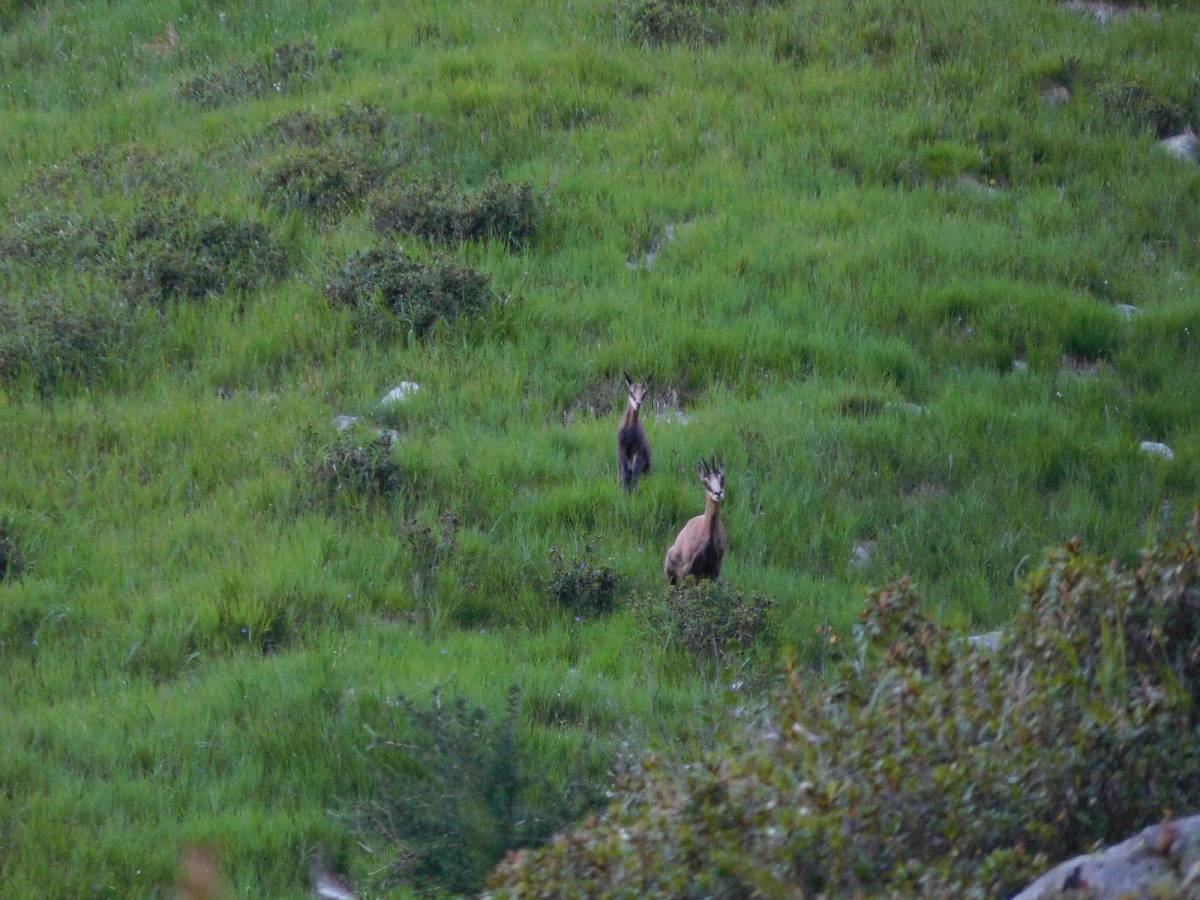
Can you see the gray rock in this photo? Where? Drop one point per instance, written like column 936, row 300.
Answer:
column 1161, row 861
column 390, row 435
column 344, row 423
column 1183, row 146
column 1104, row 12
column 400, row 393
column 989, row 640
column 914, row 409
column 1020, row 366
column 1126, row 310
column 860, row 555
column 1154, row 448
column 1056, row 95
column 660, row 241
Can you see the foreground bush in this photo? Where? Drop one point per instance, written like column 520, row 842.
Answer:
column 388, row 290
column 582, row 586
column 455, row 788
column 283, row 70
column 353, row 468
column 707, row 619
column 926, row 766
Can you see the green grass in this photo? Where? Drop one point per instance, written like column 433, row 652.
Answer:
column 872, row 208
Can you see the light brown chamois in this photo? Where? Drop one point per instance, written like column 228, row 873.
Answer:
column 633, row 448
column 700, row 547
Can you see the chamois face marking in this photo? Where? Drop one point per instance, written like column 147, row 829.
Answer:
column 712, row 476
column 637, row 391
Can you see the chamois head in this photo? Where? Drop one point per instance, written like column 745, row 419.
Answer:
column 712, row 476
column 637, row 391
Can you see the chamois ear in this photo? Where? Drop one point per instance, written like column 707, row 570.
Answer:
column 702, row 468
column 628, row 380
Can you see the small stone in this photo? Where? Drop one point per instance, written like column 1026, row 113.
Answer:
column 400, row 393
column 1056, row 95
column 1126, row 310
column 860, row 555
column 1154, row 448
column 989, row 640
column 391, row 435
column 1020, row 366
column 344, row 423
column 1183, row 146
column 914, row 409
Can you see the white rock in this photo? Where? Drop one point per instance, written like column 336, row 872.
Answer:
column 1183, row 146
column 915, row 409
column 400, row 393
column 1019, row 365
column 861, row 555
column 344, row 423
column 1154, row 448
column 1056, row 95
column 1126, row 310
column 989, row 640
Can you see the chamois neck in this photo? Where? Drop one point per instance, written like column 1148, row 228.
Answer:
column 712, row 509
column 631, row 414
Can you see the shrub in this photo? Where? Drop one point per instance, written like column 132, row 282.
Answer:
column 173, row 257
column 926, row 766
column 321, row 181
column 355, row 121
column 10, row 554
column 286, row 67
column 44, row 239
column 581, row 586
column 708, row 619
column 48, row 339
column 356, row 468
column 387, row 289
column 658, row 22
column 502, row 211
column 1133, row 105
column 456, row 788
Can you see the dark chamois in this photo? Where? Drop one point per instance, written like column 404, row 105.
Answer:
column 633, row 448
column 700, row 547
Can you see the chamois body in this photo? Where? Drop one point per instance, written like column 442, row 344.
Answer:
column 633, row 447
column 699, row 549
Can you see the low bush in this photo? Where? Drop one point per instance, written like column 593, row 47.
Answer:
column 707, row 619
column 283, row 70
column 658, row 22
column 390, row 291
column 360, row 122
column 52, row 239
column 455, row 788
column 321, row 181
column 1137, row 107
column 10, row 554
column 503, row 211
column 350, row 466
column 48, row 339
column 177, row 257
column 926, row 766
column 582, row 586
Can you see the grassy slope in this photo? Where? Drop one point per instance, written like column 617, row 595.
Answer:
column 832, row 263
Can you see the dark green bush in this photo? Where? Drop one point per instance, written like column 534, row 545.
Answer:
column 708, row 619
column 389, row 290
column 283, row 70
column 51, row 239
column 502, row 211
column 321, row 181
column 456, row 788
column 926, row 766
column 174, row 257
column 47, row 339
column 361, row 122
column 357, row 468
column 1137, row 107
column 658, row 22
column 582, row 586
column 10, row 554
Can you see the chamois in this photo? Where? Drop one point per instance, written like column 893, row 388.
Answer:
column 700, row 547
column 633, row 448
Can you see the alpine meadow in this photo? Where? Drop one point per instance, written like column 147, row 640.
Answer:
column 318, row 321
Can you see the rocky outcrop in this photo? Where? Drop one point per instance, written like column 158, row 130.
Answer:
column 1161, row 861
